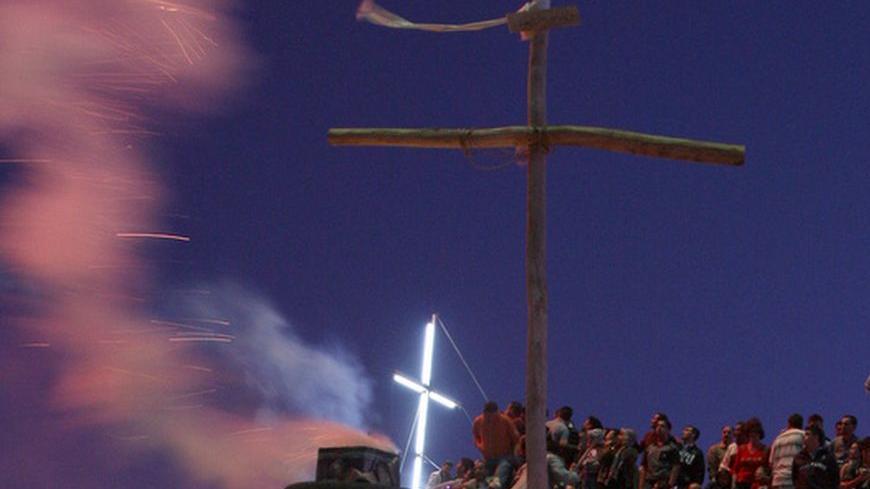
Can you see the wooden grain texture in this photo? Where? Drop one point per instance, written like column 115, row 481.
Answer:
column 536, row 265
column 541, row 20
column 522, row 136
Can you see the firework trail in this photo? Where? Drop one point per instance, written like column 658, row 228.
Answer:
column 106, row 396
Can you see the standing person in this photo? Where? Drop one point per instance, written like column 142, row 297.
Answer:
column 691, row 466
column 749, row 456
column 661, row 459
column 783, row 450
column 622, row 473
column 816, row 419
column 516, row 412
column 815, row 467
column 496, row 437
column 610, row 445
column 559, row 429
column 650, row 436
column 589, row 424
column 716, row 453
column 589, row 463
column 440, row 476
column 845, row 438
column 739, row 439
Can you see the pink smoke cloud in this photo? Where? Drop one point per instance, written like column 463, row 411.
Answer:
column 76, row 79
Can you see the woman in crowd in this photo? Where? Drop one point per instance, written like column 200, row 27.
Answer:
column 622, row 473
column 855, row 473
column 750, row 455
column 588, row 464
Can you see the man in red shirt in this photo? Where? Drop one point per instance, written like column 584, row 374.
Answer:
column 496, row 437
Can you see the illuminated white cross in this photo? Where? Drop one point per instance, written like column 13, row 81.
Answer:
column 426, row 393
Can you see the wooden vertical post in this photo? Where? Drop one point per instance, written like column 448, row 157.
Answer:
column 536, row 266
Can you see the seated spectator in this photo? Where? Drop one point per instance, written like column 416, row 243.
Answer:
column 480, row 479
column 557, row 473
column 465, row 468
column 441, row 475
column 749, row 456
column 814, row 467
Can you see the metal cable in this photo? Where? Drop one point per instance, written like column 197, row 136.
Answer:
column 462, row 358
column 408, row 443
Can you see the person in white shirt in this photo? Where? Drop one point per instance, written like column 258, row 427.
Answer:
column 786, row 445
column 441, row 475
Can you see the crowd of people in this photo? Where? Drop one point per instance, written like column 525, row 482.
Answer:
column 592, row 456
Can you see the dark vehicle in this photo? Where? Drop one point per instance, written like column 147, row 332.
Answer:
column 354, row 468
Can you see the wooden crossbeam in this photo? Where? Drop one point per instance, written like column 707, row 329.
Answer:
column 538, row 137
column 540, row 20
column 523, row 136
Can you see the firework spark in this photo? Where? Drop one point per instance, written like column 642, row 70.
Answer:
column 74, row 79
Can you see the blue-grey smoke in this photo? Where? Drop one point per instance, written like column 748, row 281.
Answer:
column 290, row 375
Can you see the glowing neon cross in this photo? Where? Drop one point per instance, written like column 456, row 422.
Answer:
column 426, row 393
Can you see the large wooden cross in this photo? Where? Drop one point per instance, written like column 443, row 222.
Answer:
column 535, row 139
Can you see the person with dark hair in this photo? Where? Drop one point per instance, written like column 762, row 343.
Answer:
column 609, row 451
column 516, row 412
column 855, row 474
column 749, row 456
column 589, row 463
column 622, row 473
column 814, row 467
column 559, row 431
column 762, row 478
column 496, row 437
column 464, row 474
column 716, row 452
column 440, row 476
column 558, row 426
column 580, row 437
column 691, row 466
column 592, row 423
column 739, row 439
column 816, row 419
column 661, row 458
column 845, row 438
column 465, row 468
column 783, row 450
column 650, row 436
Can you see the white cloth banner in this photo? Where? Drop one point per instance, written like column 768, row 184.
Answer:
column 374, row 13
